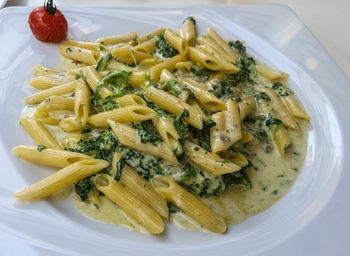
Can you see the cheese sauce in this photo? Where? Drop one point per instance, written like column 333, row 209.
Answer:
column 272, row 180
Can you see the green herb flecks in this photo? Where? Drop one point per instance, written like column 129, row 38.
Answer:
column 190, row 18
column 280, row 89
column 147, row 136
column 84, row 187
column 41, row 148
column 239, row 177
column 117, row 81
column 101, row 146
column 104, row 62
column 120, row 165
column 261, row 96
column 164, row 48
column 238, row 47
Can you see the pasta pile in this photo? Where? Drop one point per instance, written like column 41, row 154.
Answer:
column 153, row 121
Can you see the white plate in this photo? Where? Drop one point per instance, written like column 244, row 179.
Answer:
column 272, row 33
column 2, row 3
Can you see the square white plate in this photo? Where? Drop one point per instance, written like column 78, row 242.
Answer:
column 272, row 33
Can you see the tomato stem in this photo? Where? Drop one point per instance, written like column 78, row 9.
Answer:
column 50, row 7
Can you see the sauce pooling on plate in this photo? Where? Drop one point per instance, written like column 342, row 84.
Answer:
column 167, row 126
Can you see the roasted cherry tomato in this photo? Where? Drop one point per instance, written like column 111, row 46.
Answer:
column 47, row 23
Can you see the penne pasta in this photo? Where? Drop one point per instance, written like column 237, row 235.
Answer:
column 175, row 41
column 246, row 107
column 129, row 137
column 170, row 136
column 168, row 64
column 61, row 179
column 39, row 133
column 175, row 106
column 190, row 204
column 214, row 37
column 189, row 31
column 208, row 161
column 140, row 188
column 125, row 114
column 116, row 39
column 47, row 82
column 38, row 97
column 75, row 53
column 49, row 156
column 207, row 99
column 128, row 55
column 82, row 103
column 133, row 206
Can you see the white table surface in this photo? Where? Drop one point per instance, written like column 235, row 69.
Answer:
column 327, row 20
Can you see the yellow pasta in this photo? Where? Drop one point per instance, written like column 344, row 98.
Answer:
column 190, row 205
column 47, row 82
column 140, row 188
column 40, row 70
column 39, row 133
column 49, row 156
column 278, row 106
column 132, row 205
column 246, row 107
column 168, row 64
column 79, row 54
column 109, row 40
column 294, row 108
column 87, row 45
column 61, row 179
column 170, row 136
column 189, row 31
column 175, row 106
column 175, row 41
column 208, row 161
column 129, row 137
column 70, row 124
column 82, row 103
column 38, row 97
column 212, row 35
column 125, row 114
column 147, row 47
column 129, row 55
column 207, row 99
column 149, row 36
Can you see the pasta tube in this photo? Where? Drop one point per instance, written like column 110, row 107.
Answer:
column 212, row 35
column 140, row 188
column 129, row 55
column 191, row 206
column 281, row 109
column 175, row 106
column 207, row 99
column 168, row 64
column 61, row 179
column 170, row 136
column 130, row 204
column 38, row 132
column 227, row 130
column 79, row 54
column 294, row 108
column 246, row 107
column 189, row 31
column 208, row 161
column 125, row 114
column 129, row 137
column 49, row 156
column 175, row 41
column 47, row 82
column 38, row 97
column 82, row 103
column 116, row 39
